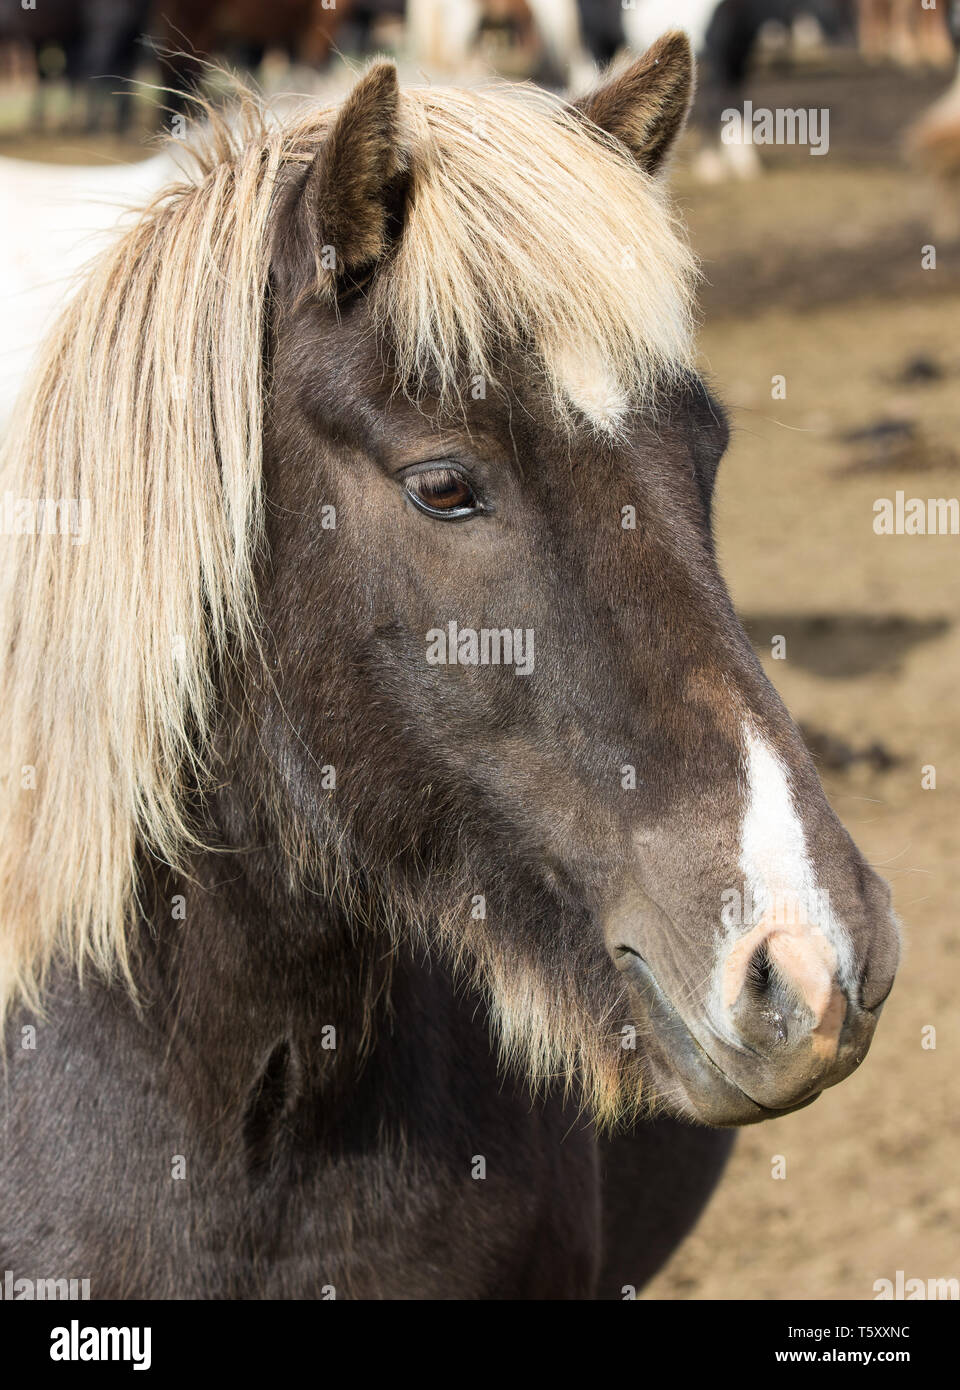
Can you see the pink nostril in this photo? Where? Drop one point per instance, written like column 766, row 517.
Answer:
column 797, row 961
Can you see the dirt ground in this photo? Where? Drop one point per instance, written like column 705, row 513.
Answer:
column 814, row 274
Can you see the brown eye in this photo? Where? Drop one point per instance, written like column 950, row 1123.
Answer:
column 443, row 493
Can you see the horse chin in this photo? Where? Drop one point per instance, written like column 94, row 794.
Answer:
column 686, row 1080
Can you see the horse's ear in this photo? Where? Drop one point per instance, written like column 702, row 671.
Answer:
column 646, row 105
column 338, row 218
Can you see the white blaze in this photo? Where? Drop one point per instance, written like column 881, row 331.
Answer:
column 783, row 902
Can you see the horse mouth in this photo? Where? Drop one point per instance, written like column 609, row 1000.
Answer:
column 683, row 1071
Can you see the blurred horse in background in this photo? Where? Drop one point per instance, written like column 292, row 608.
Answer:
column 934, row 142
column 730, row 44
column 92, row 44
column 905, row 32
column 97, row 45
column 189, row 33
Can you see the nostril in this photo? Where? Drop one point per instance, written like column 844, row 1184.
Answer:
column 780, row 991
column 759, row 1014
column 758, row 970
column 771, row 1021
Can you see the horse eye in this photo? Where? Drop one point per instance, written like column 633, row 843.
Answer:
column 442, row 492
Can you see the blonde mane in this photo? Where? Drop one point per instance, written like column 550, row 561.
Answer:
column 527, row 228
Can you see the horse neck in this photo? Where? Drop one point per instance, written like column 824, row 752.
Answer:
column 236, row 976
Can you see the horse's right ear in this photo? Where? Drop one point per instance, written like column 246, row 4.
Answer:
column 645, row 107
column 336, row 220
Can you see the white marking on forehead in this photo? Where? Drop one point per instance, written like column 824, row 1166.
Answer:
column 591, row 387
column 778, row 874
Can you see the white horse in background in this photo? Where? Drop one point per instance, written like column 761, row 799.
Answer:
column 441, row 40
column 441, row 33
column 646, row 20
column 54, row 218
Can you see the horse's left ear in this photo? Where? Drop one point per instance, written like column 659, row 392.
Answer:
column 336, row 222
column 646, row 106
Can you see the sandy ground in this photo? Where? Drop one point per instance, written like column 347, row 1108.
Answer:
column 815, row 275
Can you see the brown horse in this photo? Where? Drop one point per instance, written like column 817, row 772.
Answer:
column 189, row 33
column 401, row 846
column 908, row 33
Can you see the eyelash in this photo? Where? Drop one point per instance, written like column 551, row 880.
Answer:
column 443, row 475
